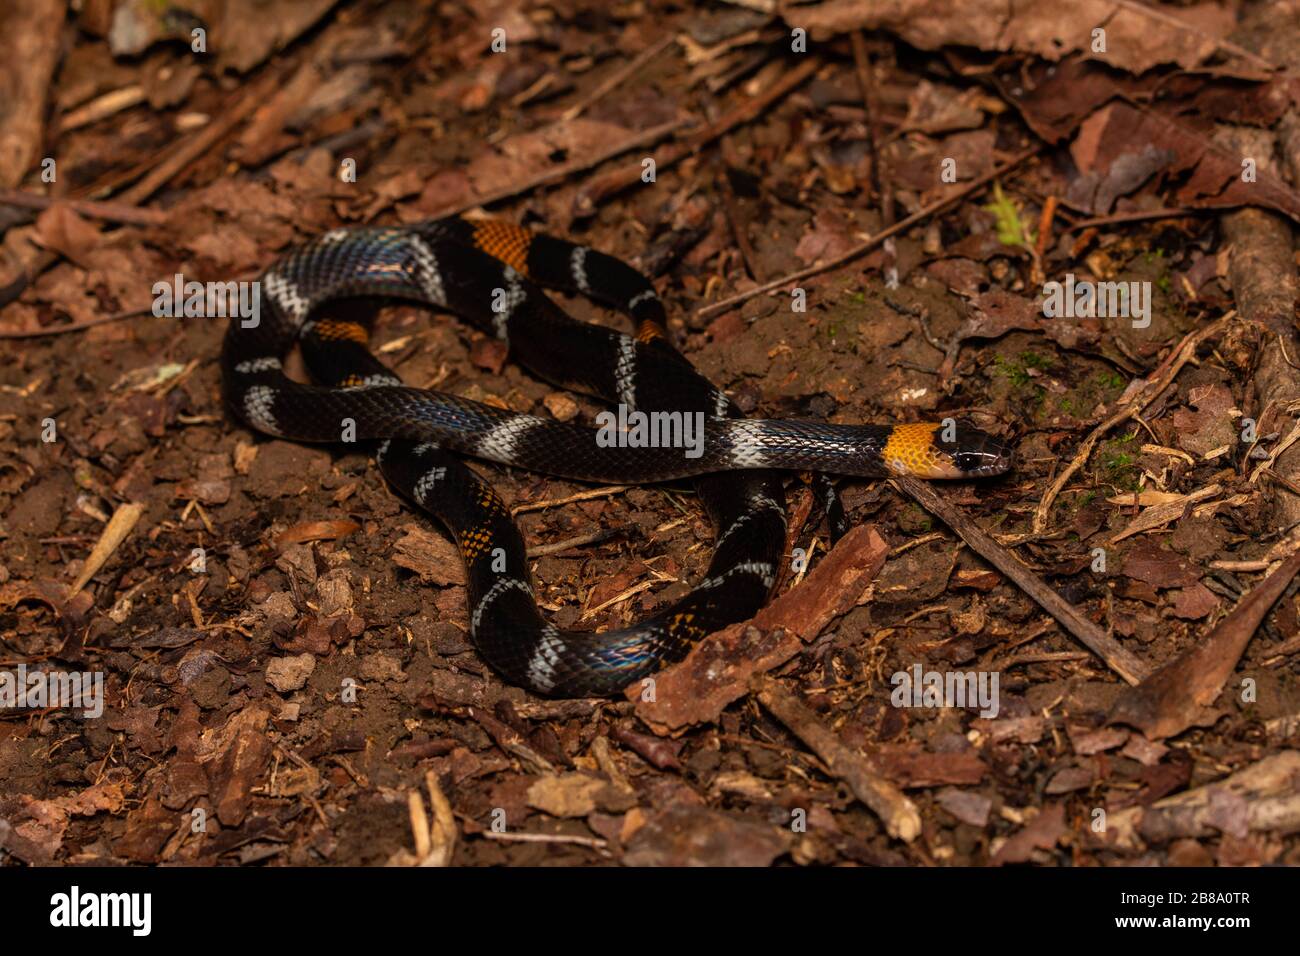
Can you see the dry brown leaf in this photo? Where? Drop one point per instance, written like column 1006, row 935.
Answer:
column 430, row 555
column 1174, row 697
column 1136, row 40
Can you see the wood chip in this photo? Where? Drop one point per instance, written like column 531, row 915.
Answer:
column 1162, row 513
column 114, row 533
column 719, row 669
column 899, row 814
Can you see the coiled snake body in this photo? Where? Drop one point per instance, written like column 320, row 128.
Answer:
column 488, row 272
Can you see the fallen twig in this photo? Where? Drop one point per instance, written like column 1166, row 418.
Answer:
column 896, row 811
column 102, row 107
column 511, row 741
column 864, row 247
column 595, row 537
column 580, row 496
column 564, row 171
column 591, row 195
column 1261, row 797
column 109, row 211
column 594, row 842
column 171, row 165
column 1121, row 661
column 435, row 841
column 1157, row 515
column 881, row 186
column 1291, row 438
column 1141, row 215
column 71, row 326
column 618, row 76
column 202, row 141
column 1159, row 380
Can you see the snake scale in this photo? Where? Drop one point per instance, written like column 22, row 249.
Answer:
column 490, row 274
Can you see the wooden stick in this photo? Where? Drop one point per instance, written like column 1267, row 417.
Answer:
column 114, row 533
column 617, row 77
column 594, row 843
column 595, row 537
column 862, row 248
column 72, row 326
column 161, row 174
column 101, row 107
column 1140, row 215
column 599, row 189
column 881, row 186
column 442, row 831
column 1160, row 379
column 580, row 496
column 109, row 211
column 204, row 140
column 643, row 138
column 1121, row 661
column 896, row 811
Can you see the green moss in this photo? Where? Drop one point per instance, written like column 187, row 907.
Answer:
column 913, row 520
column 1016, row 370
column 1117, row 463
column 1035, row 360
column 1010, row 229
column 1164, row 280
column 1109, row 381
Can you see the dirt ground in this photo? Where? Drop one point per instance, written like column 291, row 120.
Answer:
column 288, row 674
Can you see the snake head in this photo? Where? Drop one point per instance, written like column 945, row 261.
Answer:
column 951, row 449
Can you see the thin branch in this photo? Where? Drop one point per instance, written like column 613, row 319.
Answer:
column 899, row 814
column 863, row 248
column 1160, row 379
column 594, row 843
column 617, row 77
column 204, row 140
column 642, row 138
column 881, row 186
column 1141, row 215
column 591, row 195
column 108, row 211
column 595, row 537
column 1117, row 658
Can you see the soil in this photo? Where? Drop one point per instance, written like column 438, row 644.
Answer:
column 284, row 642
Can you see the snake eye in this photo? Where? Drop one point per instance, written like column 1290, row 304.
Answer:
column 977, row 454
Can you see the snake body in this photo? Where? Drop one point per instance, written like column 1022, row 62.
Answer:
column 490, row 274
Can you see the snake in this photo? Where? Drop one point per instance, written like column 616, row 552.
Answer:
column 672, row 424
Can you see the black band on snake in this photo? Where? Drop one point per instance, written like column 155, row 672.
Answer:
column 488, row 273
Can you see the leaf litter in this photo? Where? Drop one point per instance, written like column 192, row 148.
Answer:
column 311, row 690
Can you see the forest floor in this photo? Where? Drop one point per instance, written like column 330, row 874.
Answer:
column 288, row 675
